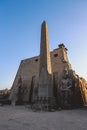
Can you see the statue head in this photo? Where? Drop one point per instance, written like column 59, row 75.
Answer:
column 65, row 73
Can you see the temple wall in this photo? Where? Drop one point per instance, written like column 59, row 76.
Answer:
column 83, row 89
column 30, row 67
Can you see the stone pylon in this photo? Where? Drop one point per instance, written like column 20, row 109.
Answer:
column 45, row 90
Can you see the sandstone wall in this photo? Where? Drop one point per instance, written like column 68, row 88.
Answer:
column 30, row 67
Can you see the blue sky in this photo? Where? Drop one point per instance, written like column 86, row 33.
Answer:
column 20, row 23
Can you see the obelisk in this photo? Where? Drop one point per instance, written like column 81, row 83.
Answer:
column 45, row 89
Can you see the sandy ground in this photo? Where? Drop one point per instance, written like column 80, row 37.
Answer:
column 21, row 118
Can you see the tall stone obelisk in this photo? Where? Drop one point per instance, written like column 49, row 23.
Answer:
column 45, row 89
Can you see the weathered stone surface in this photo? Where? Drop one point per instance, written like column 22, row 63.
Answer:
column 45, row 69
column 49, row 75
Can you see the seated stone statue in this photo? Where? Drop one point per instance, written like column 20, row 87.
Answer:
column 65, row 88
column 66, row 82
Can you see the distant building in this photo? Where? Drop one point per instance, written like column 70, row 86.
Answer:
column 4, row 96
column 48, row 79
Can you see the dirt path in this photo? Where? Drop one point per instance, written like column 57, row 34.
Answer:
column 21, row 118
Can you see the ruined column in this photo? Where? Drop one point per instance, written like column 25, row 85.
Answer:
column 45, row 90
